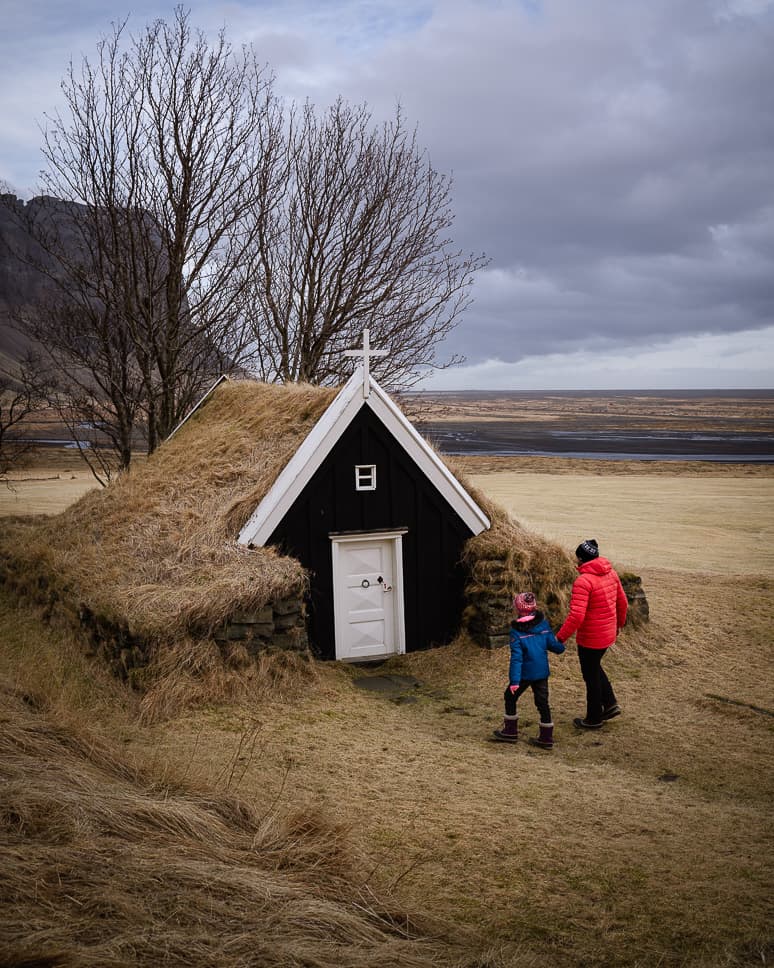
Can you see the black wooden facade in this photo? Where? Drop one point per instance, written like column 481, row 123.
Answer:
column 404, row 498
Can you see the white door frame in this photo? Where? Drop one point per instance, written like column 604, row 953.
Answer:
column 395, row 538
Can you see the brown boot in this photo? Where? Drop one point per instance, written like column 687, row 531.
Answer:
column 510, row 731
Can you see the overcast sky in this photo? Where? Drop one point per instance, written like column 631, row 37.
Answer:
column 613, row 158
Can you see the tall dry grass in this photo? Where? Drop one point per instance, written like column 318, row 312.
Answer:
column 109, row 863
column 192, row 673
column 50, row 668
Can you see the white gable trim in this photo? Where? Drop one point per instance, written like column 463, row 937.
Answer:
column 321, row 440
column 426, row 458
column 193, row 410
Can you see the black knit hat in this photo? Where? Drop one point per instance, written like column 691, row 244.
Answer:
column 587, row 550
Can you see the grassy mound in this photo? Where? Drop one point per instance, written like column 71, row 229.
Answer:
column 507, row 559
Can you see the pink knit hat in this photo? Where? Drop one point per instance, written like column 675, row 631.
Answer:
column 524, row 603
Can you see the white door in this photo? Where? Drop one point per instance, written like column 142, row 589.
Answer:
column 368, row 596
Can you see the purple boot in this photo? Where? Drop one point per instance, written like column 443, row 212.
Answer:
column 510, row 731
column 545, row 738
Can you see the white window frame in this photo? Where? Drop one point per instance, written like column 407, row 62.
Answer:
column 363, row 473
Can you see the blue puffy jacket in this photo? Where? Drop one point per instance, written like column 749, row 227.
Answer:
column 530, row 644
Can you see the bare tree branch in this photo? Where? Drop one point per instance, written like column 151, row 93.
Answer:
column 359, row 238
column 164, row 146
column 192, row 227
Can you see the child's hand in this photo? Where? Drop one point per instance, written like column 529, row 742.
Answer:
column 514, row 689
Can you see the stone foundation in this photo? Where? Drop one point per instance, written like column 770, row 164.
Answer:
column 639, row 610
column 488, row 611
column 107, row 639
column 279, row 626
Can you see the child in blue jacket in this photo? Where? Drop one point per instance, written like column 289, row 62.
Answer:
column 531, row 641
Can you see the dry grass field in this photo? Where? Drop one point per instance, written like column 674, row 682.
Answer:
column 664, row 410
column 682, row 522
column 47, row 484
column 649, row 843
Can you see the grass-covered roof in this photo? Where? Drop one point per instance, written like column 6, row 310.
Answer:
column 157, row 547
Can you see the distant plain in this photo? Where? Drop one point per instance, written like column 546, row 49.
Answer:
column 666, row 425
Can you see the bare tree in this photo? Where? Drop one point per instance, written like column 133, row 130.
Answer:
column 166, row 145
column 358, row 239
column 205, row 230
column 22, row 395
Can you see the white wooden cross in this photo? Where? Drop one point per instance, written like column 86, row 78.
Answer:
column 366, row 352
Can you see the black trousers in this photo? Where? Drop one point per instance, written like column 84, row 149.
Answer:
column 539, row 689
column 599, row 692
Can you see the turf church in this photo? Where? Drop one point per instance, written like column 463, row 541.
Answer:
column 379, row 521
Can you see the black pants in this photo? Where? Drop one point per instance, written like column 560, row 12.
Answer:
column 599, row 692
column 539, row 694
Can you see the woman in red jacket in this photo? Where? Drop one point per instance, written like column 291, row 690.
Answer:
column 598, row 609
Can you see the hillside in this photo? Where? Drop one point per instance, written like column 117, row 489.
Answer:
column 22, row 285
column 381, row 824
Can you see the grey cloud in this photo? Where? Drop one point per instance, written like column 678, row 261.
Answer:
column 614, row 158
column 598, row 147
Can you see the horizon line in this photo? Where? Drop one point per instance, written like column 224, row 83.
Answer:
column 592, row 390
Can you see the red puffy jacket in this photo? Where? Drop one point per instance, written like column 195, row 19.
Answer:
column 598, row 606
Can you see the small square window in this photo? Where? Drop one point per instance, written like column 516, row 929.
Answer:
column 365, row 477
